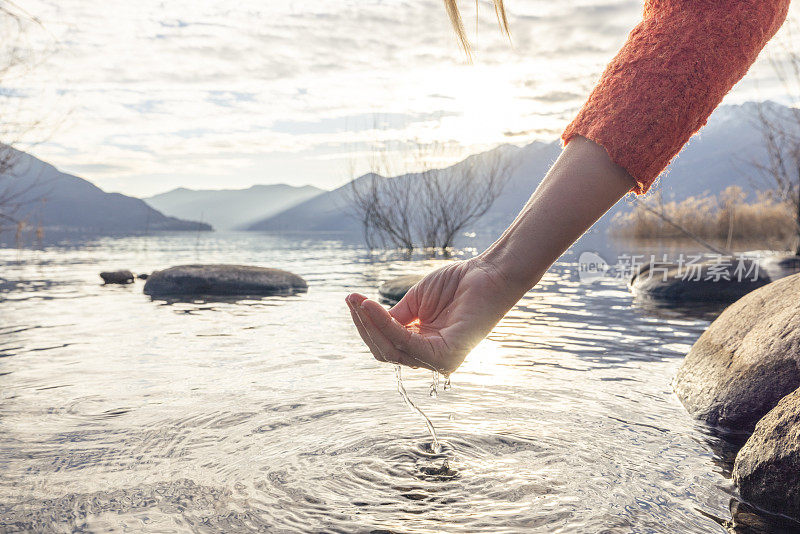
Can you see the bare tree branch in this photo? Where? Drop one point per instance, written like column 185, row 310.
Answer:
column 16, row 57
column 429, row 207
column 781, row 131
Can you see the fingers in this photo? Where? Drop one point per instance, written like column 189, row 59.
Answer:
column 381, row 347
column 386, row 323
column 411, row 345
column 396, row 334
column 361, row 327
column 402, row 311
column 355, row 299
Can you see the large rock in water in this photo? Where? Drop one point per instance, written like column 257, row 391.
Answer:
column 767, row 469
column 395, row 289
column 718, row 281
column 747, row 360
column 225, row 280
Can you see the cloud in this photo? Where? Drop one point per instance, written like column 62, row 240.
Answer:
column 164, row 94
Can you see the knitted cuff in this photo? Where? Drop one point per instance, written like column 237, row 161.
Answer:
column 670, row 75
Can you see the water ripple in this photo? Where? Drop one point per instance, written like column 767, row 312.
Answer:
column 120, row 412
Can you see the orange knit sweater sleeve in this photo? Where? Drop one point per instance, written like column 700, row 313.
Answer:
column 675, row 68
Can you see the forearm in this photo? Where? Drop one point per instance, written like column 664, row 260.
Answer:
column 580, row 187
column 670, row 75
column 703, row 49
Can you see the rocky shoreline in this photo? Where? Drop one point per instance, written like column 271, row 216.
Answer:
column 743, row 375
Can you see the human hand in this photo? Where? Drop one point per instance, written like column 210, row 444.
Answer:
column 440, row 320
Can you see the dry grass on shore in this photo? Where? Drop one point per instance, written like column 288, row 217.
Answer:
column 724, row 217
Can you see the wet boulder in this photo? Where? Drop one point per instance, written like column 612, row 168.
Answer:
column 222, row 280
column 722, row 280
column 395, row 289
column 767, row 468
column 746, row 360
column 117, row 277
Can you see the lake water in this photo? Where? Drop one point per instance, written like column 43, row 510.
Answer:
column 123, row 413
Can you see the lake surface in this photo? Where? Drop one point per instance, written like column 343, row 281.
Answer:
column 123, row 413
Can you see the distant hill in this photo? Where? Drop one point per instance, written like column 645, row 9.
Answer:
column 719, row 156
column 326, row 212
column 231, row 209
column 329, row 212
column 41, row 195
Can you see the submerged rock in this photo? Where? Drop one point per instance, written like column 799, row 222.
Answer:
column 142, row 276
column 719, row 281
column 224, row 280
column 767, row 469
column 395, row 289
column 747, row 359
column 747, row 519
column 780, row 265
column 117, row 277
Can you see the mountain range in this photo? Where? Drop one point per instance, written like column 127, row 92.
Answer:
column 721, row 155
column 724, row 153
column 42, row 196
column 231, row 209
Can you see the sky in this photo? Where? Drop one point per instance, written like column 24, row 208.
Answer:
column 142, row 97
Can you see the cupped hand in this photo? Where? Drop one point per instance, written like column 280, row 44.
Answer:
column 439, row 321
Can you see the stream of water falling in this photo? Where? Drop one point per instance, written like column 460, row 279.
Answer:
column 435, row 446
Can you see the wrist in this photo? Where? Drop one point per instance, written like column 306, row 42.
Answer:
column 516, row 277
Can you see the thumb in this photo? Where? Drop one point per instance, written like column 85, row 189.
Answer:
column 406, row 310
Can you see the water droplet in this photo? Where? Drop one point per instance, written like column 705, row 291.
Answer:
column 435, row 385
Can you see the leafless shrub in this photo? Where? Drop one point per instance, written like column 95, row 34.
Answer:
column 430, row 207
column 16, row 58
column 780, row 128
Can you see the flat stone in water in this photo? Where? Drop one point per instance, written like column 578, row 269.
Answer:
column 780, row 265
column 222, row 280
column 671, row 282
column 395, row 289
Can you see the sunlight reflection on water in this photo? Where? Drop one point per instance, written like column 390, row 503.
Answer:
column 122, row 412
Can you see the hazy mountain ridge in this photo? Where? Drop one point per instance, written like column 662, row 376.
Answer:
column 45, row 197
column 331, row 211
column 231, row 209
column 721, row 155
